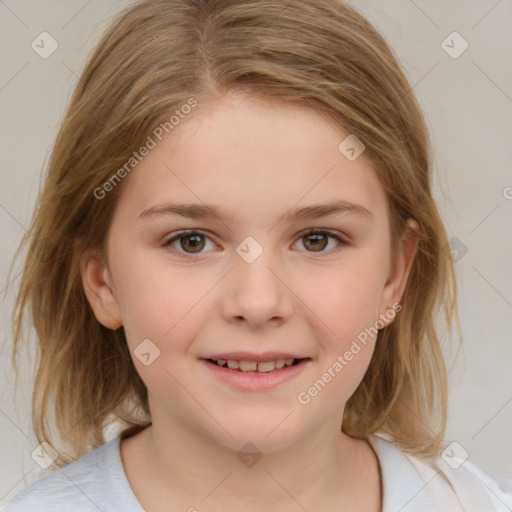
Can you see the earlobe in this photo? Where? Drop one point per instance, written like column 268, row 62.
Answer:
column 401, row 267
column 96, row 281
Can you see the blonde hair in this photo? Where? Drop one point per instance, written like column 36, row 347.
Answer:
column 151, row 61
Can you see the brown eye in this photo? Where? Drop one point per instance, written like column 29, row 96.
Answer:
column 191, row 242
column 315, row 242
column 194, row 243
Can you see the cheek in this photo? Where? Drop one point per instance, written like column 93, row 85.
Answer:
column 347, row 298
column 346, row 308
column 163, row 311
column 156, row 298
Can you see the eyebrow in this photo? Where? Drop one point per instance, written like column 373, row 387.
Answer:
column 203, row 211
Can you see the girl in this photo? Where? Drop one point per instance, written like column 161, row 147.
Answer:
column 237, row 257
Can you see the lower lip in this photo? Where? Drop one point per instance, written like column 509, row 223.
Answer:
column 252, row 381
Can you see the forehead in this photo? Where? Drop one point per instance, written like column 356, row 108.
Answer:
column 253, row 158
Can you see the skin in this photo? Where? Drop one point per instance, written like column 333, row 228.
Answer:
column 258, row 160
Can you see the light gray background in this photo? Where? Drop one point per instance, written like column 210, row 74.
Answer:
column 468, row 103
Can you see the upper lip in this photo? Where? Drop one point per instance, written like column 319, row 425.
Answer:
column 248, row 356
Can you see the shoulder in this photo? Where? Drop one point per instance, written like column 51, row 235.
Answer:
column 90, row 483
column 411, row 483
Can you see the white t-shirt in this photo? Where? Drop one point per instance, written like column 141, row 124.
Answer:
column 97, row 482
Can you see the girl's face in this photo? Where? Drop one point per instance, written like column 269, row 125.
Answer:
column 250, row 279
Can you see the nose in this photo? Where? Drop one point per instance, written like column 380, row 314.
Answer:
column 257, row 293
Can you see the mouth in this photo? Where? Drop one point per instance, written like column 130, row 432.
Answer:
column 251, row 366
column 255, row 372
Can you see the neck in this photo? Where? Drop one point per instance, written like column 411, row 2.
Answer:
column 324, row 468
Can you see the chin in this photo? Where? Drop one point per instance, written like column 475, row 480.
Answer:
column 264, row 436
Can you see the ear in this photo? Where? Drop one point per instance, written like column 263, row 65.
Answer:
column 99, row 290
column 401, row 266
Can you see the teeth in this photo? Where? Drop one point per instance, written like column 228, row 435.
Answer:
column 266, row 366
column 247, row 366
column 251, row 366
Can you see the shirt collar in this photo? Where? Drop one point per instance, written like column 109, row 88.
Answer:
column 402, row 485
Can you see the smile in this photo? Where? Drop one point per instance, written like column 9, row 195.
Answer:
column 255, row 375
column 254, row 366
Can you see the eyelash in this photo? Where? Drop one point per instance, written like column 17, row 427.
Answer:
column 311, row 231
